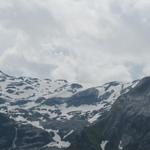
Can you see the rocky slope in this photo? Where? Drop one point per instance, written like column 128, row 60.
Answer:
column 46, row 114
column 125, row 127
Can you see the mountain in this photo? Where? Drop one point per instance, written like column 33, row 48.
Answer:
column 125, row 127
column 44, row 114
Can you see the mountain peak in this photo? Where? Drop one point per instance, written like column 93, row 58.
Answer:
column 2, row 74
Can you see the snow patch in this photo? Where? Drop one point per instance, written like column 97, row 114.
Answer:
column 103, row 144
column 68, row 134
column 120, row 147
column 94, row 118
column 58, row 141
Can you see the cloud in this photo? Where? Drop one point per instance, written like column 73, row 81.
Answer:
column 90, row 42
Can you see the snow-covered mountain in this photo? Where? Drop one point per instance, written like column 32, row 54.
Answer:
column 59, row 109
column 125, row 127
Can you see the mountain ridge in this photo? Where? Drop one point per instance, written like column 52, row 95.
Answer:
column 125, row 127
column 59, row 108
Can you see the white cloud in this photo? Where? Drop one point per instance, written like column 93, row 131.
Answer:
column 86, row 41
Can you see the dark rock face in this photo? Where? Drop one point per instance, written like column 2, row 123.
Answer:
column 7, row 132
column 76, row 86
column 125, row 127
column 14, row 136
column 88, row 96
column 54, row 101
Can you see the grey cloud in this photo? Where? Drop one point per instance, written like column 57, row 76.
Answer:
column 84, row 41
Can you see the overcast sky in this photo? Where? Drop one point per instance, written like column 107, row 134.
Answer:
column 85, row 41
